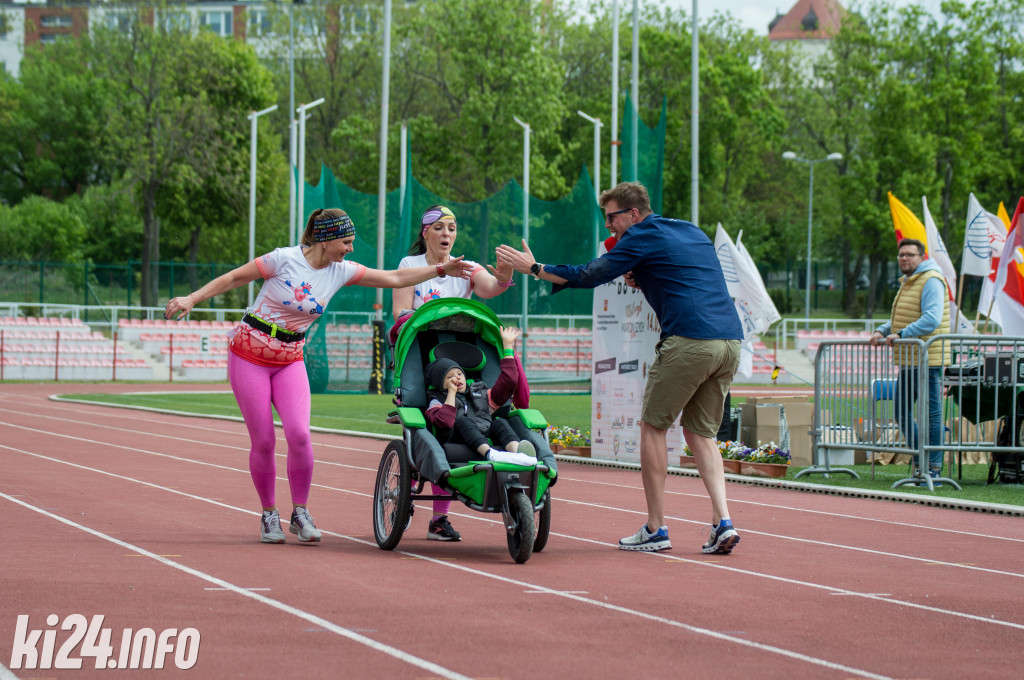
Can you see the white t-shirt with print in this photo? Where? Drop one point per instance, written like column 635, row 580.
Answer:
column 438, row 287
column 294, row 294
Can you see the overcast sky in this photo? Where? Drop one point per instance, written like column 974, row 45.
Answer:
column 757, row 14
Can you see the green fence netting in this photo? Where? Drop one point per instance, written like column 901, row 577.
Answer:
column 563, row 231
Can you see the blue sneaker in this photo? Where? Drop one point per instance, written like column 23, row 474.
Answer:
column 722, row 540
column 645, row 541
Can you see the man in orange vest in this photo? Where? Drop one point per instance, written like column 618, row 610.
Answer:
column 920, row 310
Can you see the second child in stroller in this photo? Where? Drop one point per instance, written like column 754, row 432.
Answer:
column 463, row 412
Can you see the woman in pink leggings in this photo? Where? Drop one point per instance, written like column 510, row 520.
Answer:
column 265, row 365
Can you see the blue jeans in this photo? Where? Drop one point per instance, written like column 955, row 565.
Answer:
column 904, row 406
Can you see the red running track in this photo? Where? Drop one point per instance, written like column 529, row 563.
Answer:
column 151, row 520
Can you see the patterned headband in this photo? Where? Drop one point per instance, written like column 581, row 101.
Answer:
column 331, row 228
column 433, row 215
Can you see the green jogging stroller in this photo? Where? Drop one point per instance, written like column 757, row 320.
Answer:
column 467, row 332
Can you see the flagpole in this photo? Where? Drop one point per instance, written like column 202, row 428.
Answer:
column 959, row 299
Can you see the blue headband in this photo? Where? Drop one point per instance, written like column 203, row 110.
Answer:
column 331, row 228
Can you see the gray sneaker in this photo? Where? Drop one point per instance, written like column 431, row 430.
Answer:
column 270, row 527
column 303, row 527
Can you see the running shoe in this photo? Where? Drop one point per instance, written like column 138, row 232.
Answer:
column 645, row 541
column 514, row 457
column 722, row 540
column 303, row 527
column 412, row 510
column 440, row 529
column 270, row 527
column 527, row 448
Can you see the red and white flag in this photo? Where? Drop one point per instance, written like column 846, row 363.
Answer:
column 1009, row 283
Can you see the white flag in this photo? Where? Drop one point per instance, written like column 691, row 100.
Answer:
column 983, row 239
column 937, row 249
column 756, row 310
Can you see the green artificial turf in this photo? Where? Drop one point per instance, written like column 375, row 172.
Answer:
column 359, row 412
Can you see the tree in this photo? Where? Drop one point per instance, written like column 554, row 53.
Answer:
column 49, row 130
column 164, row 125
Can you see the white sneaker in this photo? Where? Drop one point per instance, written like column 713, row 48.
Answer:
column 270, row 527
column 516, row 458
column 527, row 449
column 303, row 527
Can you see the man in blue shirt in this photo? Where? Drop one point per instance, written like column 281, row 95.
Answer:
column 674, row 265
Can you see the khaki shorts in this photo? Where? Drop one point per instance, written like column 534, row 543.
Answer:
column 691, row 376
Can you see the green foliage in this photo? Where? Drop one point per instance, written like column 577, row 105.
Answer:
column 40, row 229
column 143, row 134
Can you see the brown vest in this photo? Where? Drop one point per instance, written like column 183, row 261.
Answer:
column 906, row 309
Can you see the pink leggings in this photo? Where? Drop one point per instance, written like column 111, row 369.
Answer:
column 287, row 388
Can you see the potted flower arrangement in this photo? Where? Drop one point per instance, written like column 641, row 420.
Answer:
column 733, row 454
column 570, row 439
column 767, row 460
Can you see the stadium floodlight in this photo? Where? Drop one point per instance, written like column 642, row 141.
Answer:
column 790, row 156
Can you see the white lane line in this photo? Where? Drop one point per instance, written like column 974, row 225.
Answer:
column 215, row 416
column 882, row 553
column 240, row 433
column 675, row 558
column 399, row 654
column 630, row 487
column 393, row 652
column 812, row 541
column 775, row 506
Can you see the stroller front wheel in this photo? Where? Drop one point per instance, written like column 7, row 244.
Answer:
column 520, row 541
column 391, row 496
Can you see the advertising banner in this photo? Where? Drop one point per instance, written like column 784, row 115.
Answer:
column 625, row 333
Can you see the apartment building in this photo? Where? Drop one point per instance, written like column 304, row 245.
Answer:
column 29, row 23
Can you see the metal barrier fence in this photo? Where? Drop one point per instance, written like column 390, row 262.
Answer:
column 872, row 399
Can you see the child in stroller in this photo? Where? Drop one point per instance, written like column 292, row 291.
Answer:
column 462, row 412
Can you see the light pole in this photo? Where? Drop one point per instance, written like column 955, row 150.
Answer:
column 526, row 225
column 790, row 156
column 291, row 127
column 252, row 186
column 597, row 172
column 301, row 179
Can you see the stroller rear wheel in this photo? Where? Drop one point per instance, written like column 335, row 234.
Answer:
column 520, row 541
column 391, row 496
column 543, row 522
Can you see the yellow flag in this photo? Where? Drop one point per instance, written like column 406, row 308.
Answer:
column 1003, row 215
column 905, row 222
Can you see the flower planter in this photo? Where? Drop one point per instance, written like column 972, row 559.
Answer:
column 687, row 462
column 731, row 465
column 555, row 448
column 581, row 451
column 773, row 470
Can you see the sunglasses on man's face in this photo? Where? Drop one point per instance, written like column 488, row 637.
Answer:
column 611, row 215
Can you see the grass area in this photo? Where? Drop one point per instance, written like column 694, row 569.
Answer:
column 975, row 483
column 360, row 412
column 366, row 413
